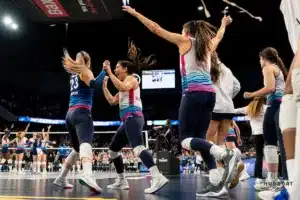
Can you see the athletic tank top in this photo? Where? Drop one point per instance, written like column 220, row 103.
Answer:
column 130, row 103
column 195, row 75
column 80, row 93
column 37, row 143
column 231, row 132
column 277, row 95
column 21, row 142
column 4, row 141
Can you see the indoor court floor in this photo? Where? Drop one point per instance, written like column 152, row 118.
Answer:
column 182, row 187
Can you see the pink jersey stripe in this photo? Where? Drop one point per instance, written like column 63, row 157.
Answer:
column 131, row 114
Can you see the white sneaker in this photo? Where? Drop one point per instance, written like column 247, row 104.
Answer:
column 119, row 184
column 267, row 185
column 62, row 182
column 157, row 183
column 90, row 182
column 259, row 181
column 270, row 194
column 244, row 176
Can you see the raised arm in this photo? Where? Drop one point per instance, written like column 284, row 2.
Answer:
column 220, row 34
column 174, row 38
column 112, row 100
column 122, row 86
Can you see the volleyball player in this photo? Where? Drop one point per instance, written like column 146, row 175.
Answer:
column 255, row 110
column 196, row 44
column 45, row 143
column 274, row 73
column 131, row 114
column 289, row 118
column 227, row 87
column 5, row 151
column 79, row 119
column 20, row 140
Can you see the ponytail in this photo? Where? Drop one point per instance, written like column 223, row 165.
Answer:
column 204, row 34
column 137, row 62
column 215, row 69
column 282, row 67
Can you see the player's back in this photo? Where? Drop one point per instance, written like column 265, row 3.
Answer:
column 80, row 93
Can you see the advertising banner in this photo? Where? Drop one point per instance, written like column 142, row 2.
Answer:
column 53, row 11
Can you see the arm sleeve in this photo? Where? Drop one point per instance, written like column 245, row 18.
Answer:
column 241, row 110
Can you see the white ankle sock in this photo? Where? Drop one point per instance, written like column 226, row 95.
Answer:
column 154, row 171
column 87, row 168
column 64, row 172
column 121, row 176
column 289, row 166
column 216, row 151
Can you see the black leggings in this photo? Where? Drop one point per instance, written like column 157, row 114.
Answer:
column 80, row 125
column 259, row 148
column 194, row 117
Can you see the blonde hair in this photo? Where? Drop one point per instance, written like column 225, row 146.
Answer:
column 255, row 106
column 71, row 66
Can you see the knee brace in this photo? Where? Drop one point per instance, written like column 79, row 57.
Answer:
column 138, row 150
column 296, row 83
column 114, row 154
column 9, row 162
column 186, row 143
column 288, row 112
column 85, row 151
column 271, row 155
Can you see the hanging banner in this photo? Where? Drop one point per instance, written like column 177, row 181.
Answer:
column 291, row 13
column 71, row 10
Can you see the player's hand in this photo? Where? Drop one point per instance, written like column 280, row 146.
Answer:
column 53, row 142
column 239, row 141
column 129, row 10
column 226, row 20
column 248, row 95
column 104, row 85
column 49, row 127
column 106, row 67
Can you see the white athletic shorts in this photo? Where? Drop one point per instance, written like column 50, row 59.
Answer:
column 288, row 112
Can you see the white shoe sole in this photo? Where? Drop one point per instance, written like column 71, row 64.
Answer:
column 59, row 185
column 83, row 182
column 163, row 184
column 214, row 194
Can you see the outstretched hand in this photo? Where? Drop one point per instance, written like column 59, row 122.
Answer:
column 129, row 10
column 226, row 20
column 106, row 67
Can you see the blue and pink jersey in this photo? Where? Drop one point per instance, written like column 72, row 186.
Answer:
column 195, row 75
column 130, row 103
column 81, row 95
column 277, row 95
